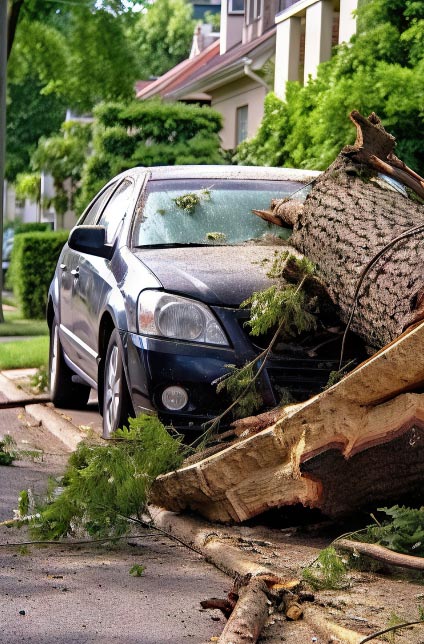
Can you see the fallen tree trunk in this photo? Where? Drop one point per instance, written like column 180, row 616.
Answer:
column 348, row 218
column 358, row 443
column 361, row 442
column 249, row 614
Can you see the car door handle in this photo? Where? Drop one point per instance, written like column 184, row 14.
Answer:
column 75, row 272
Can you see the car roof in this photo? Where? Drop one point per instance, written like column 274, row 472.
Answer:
column 230, row 172
column 237, row 172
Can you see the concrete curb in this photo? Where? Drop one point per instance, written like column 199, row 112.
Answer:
column 63, row 429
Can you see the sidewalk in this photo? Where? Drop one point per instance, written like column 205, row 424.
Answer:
column 68, row 425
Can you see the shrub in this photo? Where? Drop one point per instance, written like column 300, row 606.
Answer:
column 34, row 258
column 32, row 227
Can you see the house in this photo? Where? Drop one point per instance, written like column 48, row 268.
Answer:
column 262, row 45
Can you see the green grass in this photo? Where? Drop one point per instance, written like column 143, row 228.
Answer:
column 21, row 354
column 14, row 324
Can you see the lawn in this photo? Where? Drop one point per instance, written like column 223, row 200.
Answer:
column 30, row 351
column 19, row 354
column 15, row 324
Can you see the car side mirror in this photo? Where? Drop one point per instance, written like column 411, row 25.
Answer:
column 90, row 240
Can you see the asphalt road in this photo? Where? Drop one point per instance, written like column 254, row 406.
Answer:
column 84, row 593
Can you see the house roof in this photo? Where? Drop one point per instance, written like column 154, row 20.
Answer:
column 199, row 75
column 179, row 74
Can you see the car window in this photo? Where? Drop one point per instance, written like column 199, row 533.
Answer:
column 116, row 208
column 209, row 212
column 92, row 213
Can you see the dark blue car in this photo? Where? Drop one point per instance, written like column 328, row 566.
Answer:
column 144, row 304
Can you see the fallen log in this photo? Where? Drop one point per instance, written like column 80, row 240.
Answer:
column 350, row 216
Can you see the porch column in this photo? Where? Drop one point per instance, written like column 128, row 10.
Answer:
column 347, row 27
column 287, row 52
column 318, row 36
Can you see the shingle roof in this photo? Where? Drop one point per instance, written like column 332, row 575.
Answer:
column 207, row 69
column 179, row 74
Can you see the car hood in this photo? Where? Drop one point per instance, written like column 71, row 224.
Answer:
column 218, row 275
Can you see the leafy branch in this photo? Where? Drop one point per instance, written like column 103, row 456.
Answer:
column 286, row 306
column 105, row 485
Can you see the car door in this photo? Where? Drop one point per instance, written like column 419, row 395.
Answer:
column 94, row 279
column 68, row 274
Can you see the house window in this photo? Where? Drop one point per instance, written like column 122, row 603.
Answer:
column 235, row 6
column 253, row 11
column 241, row 124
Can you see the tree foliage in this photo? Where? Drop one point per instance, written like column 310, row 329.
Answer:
column 63, row 156
column 402, row 532
column 31, row 114
column 381, row 70
column 64, row 56
column 163, row 35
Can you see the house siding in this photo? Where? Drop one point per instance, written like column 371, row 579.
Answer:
column 228, row 98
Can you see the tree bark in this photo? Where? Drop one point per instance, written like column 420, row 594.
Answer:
column 380, row 553
column 349, row 216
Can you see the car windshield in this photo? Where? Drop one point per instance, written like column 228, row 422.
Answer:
column 199, row 211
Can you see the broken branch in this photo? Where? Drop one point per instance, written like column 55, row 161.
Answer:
column 249, row 615
column 380, row 553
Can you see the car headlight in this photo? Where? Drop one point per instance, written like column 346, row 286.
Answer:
column 171, row 316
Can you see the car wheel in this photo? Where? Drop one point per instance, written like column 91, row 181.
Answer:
column 63, row 391
column 117, row 405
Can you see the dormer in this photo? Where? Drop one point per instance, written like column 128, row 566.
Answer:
column 259, row 17
column 232, row 22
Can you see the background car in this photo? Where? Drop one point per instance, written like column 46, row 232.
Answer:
column 8, row 237
column 145, row 302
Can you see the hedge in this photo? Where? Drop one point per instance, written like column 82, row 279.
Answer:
column 31, row 227
column 33, row 262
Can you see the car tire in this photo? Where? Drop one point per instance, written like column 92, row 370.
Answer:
column 64, row 392
column 117, row 405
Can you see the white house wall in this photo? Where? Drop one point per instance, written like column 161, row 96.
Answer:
column 228, row 98
column 347, row 25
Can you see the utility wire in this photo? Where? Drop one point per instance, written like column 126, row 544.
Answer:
column 408, row 233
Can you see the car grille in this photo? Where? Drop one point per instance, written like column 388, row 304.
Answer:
column 292, row 374
column 294, row 380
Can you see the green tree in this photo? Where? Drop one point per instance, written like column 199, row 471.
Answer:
column 28, row 186
column 68, row 55
column 63, row 156
column 31, row 114
column 381, row 70
column 163, row 36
